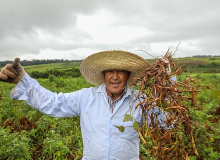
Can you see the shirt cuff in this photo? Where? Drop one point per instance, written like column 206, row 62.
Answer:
column 21, row 87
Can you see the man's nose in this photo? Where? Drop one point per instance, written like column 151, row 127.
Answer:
column 115, row 75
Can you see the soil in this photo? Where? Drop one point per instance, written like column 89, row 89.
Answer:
column 23, row 124
column 217, row 112
column 216, row 116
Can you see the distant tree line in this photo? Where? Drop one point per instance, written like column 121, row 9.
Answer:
column 206, row 56
column 37, row 62
column 73, row 72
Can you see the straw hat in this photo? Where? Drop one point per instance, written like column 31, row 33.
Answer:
column 91, row 68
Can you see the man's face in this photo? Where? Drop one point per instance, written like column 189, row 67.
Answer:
column 115, row 81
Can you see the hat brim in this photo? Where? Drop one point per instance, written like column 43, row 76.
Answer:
column 93, row 66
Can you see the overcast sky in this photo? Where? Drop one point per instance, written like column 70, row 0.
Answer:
column 74, row 29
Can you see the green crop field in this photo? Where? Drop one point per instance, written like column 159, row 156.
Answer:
column 192, row 61
column 45, row 67
column 26, row 133
column 189, row 62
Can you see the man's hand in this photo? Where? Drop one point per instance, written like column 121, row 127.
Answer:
column 12, row 73
column 166, row 63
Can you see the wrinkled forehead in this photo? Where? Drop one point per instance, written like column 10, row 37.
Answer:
column 118, row 70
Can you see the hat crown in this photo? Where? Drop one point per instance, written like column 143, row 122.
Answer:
column 93, row 66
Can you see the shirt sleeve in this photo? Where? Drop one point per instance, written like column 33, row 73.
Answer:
column 50, row 103
column 173, row 79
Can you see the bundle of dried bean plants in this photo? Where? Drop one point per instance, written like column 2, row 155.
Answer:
column 174, row 136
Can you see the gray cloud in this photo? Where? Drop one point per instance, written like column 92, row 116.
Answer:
column 27, row 27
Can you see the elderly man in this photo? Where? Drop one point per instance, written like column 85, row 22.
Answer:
column 100, row 108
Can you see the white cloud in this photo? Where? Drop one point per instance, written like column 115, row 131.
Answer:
column 76, row 54
column 101, row 27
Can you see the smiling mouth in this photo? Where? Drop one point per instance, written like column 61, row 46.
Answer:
column 115, row 83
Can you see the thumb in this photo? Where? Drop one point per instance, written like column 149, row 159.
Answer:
column 16, row 62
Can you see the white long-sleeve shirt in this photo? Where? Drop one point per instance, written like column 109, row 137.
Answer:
column 101, row 139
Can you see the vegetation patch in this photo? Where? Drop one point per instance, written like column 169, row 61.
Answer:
column 28, row 134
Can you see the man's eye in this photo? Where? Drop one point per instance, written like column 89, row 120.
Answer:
column 109, row 71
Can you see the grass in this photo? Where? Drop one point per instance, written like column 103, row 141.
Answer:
column 27, row 133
